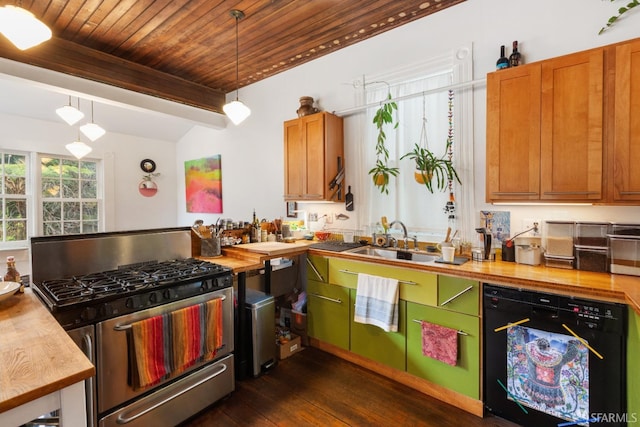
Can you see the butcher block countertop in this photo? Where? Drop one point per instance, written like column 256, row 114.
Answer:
column 603, row 286
column 37, row 357
column 251, row 256
column 586, row 284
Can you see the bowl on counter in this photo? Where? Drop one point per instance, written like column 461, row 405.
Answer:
column 322, row 235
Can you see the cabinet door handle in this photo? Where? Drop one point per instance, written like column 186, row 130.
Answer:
column 570, row 193
column 338, row 301
column 315, row 270
column 514, row 193
column 630, row 193
column 406, row 282
column 460, row 332
column 456, row 296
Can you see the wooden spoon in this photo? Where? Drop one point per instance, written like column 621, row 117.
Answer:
column 448, row 237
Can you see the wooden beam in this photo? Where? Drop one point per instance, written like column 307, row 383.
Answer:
column 76, row 60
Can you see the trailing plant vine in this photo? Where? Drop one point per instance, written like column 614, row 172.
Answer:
column 381, row 171
column 621, row 11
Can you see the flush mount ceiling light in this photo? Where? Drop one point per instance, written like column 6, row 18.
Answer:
column 78, row 148
column 236, row 110
column 22, row 28
column 69, row 113
column 92, row 130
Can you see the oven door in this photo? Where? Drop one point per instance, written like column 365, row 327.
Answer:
column 536, row 373
column 113, row 367
column 169, row 406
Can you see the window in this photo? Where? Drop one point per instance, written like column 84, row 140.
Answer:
column 14, row 197
column 432, row 90
column 69, row 196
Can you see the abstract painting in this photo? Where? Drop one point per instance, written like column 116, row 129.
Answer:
column 203, row 185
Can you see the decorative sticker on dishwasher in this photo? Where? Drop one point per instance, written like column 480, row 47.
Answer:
column 548, row 372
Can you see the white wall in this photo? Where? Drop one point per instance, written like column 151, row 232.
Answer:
column 126, row 208
column 252, row 153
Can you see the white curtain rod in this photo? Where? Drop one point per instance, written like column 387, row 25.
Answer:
column 353, row 110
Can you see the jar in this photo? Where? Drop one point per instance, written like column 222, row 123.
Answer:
column 306, row 106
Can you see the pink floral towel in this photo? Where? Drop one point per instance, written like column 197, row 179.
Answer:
column 440, row 343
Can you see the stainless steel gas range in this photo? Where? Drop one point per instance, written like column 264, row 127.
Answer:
column 118, row 295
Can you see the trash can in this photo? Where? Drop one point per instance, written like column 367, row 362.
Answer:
column 261, row 333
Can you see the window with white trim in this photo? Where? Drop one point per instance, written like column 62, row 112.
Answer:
column 15, row 173
column 69, row 196
column 430, row 93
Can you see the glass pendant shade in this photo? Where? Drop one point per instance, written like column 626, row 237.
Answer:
column 78, row 148
column 92, row 131
column 22, row 28
column 70, row 114
column 236, row 111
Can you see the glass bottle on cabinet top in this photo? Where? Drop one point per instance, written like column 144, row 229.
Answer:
column 503, row 62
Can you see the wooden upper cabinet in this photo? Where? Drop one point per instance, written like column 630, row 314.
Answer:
column 544, row 130
column 513, row 134
column 571, row 139
column 313, row 156
column 625, row 156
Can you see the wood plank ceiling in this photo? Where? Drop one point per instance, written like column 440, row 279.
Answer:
column 185, row 50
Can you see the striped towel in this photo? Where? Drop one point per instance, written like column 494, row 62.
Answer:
column 377, row 302
column 187, row 328
column 214, row 329
column 169, row 344
column 151, row 357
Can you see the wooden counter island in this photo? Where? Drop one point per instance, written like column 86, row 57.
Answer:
column 41, row 368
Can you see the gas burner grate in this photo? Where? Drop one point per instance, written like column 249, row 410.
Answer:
column 130, row 278
column 67, row 289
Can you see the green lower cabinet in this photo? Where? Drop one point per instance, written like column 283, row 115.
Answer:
column 633, row 368
column 463, row 378
column 457, row 294
column 328, row 313
column 317, row 268
column 388, row 348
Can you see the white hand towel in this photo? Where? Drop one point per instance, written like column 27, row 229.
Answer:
column 377, row 302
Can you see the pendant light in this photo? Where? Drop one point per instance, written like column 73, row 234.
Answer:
column 236, row 110
column 78, row 148
column 22, row 28
column 92, row 130
column 69, row 113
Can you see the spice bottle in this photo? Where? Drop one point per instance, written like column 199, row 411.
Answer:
column 12, row 274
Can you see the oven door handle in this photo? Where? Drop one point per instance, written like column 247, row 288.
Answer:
column 125, row 420
column 128, row 325
column 89, row 385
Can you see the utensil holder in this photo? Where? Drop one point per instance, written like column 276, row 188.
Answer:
column 210, row 247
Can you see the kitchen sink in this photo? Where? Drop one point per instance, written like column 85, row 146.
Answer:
column 391, row 253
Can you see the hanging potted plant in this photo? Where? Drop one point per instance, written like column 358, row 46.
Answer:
column 381, row 172
column 428, row 165
column 431, row 169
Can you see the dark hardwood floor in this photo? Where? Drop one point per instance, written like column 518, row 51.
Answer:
column 315, row 388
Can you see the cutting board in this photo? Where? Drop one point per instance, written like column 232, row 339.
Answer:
column 270, row 248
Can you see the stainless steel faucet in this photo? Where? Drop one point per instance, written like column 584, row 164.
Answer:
column 404, row 232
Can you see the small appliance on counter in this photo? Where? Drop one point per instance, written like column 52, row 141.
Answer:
column 528, row 250
column 486, row 253
column 523, row 250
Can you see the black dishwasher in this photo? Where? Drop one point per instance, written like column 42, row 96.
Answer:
column 552, row 360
